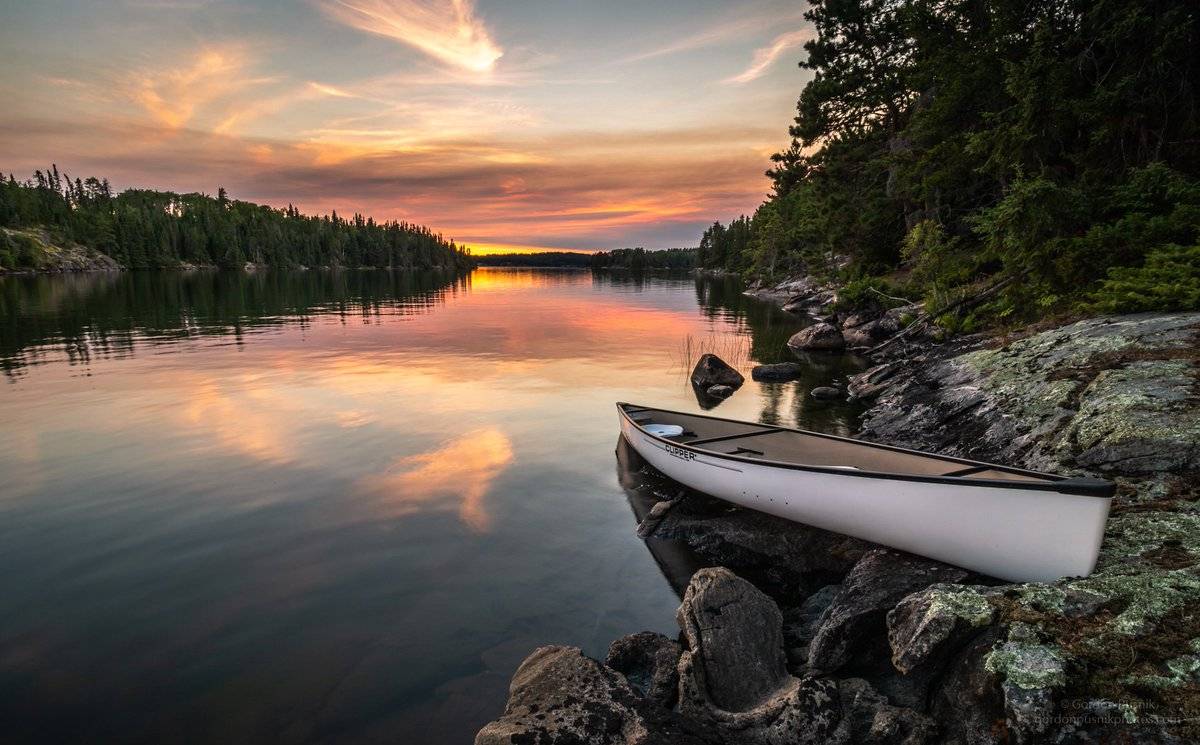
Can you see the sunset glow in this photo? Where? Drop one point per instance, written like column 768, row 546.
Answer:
column 506, row 126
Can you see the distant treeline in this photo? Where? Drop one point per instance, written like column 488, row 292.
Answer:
column 544, row 259
column 1044, row 151
column 143, row 229
column 639, row 258
column 620, row 258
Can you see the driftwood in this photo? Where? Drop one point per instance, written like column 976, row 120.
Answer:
column 904, row 300
column 922, row 320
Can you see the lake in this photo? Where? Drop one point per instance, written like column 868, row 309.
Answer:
column 335, row 506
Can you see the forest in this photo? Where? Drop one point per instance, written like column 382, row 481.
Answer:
column 143, row 229
column 544, row 259
column 637, row 259
column 1031, row 157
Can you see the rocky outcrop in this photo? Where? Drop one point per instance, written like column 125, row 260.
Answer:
column 925, row 627
column 559, row 696
column 880, row 580
column 817, row 337
column 1109, row 394
column 780, row 372
column 35, row 249
column 783, row 557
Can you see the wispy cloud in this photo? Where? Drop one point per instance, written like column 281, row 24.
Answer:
column 764, row 57
column 447, row 30
column 174, row 96
column 726, row 29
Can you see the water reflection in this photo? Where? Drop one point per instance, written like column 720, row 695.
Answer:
column 78, row 317
column 644, row 487
column 461, row 471
column 335, row 506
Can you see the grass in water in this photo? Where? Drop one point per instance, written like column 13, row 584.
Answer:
column 734, row 349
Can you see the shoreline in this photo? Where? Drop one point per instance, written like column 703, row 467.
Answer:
column 862, row 643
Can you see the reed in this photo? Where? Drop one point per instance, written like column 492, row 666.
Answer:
column 734, row 349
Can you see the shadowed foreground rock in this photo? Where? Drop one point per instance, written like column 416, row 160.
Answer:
column 733, row 676
column 559, row 696
column 879, row 581
column 648, row 661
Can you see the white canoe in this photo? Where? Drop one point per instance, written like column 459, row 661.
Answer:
column 1017, row 525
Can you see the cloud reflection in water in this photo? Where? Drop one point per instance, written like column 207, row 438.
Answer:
column 461, row 469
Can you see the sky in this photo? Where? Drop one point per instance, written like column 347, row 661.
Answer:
column 503, row 124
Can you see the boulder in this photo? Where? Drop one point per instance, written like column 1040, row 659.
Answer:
column 780, row 554
column 858, row 319
column 733, row 679
column 720, row 391
column 825, row 393
column 558, row 695
column 780, row 372
column 737, row 632
column 819, row 336
column 711, row 371
column 927, row 626
column 879, row 581
column 648, row 661
column 871, row 333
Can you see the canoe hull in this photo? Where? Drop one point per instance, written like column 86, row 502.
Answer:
column 1018, row 535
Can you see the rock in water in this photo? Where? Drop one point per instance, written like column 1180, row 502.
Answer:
column 711, row 371
column 819, row 336
column 825, row 393
column 777, row 373
column 720, row 391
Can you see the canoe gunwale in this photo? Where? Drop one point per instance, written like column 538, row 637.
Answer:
column 1087, row 487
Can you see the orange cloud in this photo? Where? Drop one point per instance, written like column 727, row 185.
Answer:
column 173, row 96
column 461, row 470
column 446, row 30
column 765, row 56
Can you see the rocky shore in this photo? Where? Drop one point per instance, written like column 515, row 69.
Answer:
column 34, row 250
column 791, row 634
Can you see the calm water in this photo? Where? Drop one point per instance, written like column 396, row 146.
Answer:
column 334, row 507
